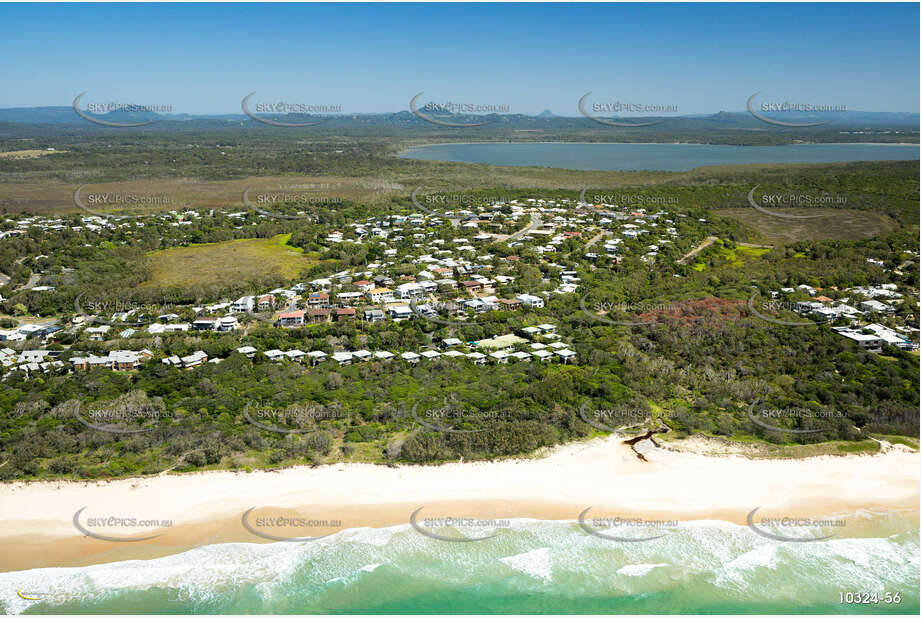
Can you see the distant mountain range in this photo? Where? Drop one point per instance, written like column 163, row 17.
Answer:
column 65, row 115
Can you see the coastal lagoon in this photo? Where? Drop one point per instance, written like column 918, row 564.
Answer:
column 663, row 157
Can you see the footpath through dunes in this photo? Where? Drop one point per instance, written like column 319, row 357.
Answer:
column 37, row 527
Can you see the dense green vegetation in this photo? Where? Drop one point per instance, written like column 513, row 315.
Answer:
column 697, row 369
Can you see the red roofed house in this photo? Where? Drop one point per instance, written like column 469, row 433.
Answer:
column 291, row 319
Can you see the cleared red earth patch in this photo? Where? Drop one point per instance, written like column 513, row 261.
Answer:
column 705, row 310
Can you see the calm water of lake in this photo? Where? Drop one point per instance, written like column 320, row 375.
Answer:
column 668, row 157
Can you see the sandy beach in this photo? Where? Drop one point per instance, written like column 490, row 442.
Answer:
column 39, row 527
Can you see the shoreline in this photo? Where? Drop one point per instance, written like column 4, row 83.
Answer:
column 403, row 152
column 208, row 507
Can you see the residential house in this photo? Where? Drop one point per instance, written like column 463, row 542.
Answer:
column 315, row 316
column 317, row 356
column 98, row 333
column 194, row 359
column 472, row 286
column 274, row 355
column 248, row 351
column 530, row 300
column 266, row 302
column 295, row 355
column 410, row 357
column 245, row 304
column 567, row 355
column 374, row 315
column 477, row 358
column 399, row 312
column 226, row 324
column 291, row 319
column 345, row 313
column 343, row 358
column 380, row 295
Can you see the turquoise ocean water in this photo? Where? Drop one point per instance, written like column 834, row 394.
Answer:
column 532, row 567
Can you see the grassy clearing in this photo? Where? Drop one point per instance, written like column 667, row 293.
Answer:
column 49, row 197
column 28, row 154
column 735, row 256
column 233, row 260
column 837, row 224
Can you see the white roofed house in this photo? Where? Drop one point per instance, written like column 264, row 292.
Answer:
column 400, row 312
column 343, row 358
column 891, row 337
column 29, row 329
column 12, row 335
column 875, row 306
column 227, row 324
column 864, row 340
column 531, row 331
column 317, row 356
column 33, row 356
column 296, row 355
column 274, row 355
column 530, row 300
column 98, row 333
column 245, row 304
column 410, row 357
column 248, row 351
column 194, row 359
column 117, row 360
column 499, row 357
column 567, row 355
column 477, row 358
column 410, row 290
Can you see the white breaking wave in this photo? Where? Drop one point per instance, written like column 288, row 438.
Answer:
column 535, row 563
column 638, row 570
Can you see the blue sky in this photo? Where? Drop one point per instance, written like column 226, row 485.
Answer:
column 204, row 58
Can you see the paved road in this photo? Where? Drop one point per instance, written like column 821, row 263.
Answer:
column 533, row 225
column 33, row 281
column 595, row 238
